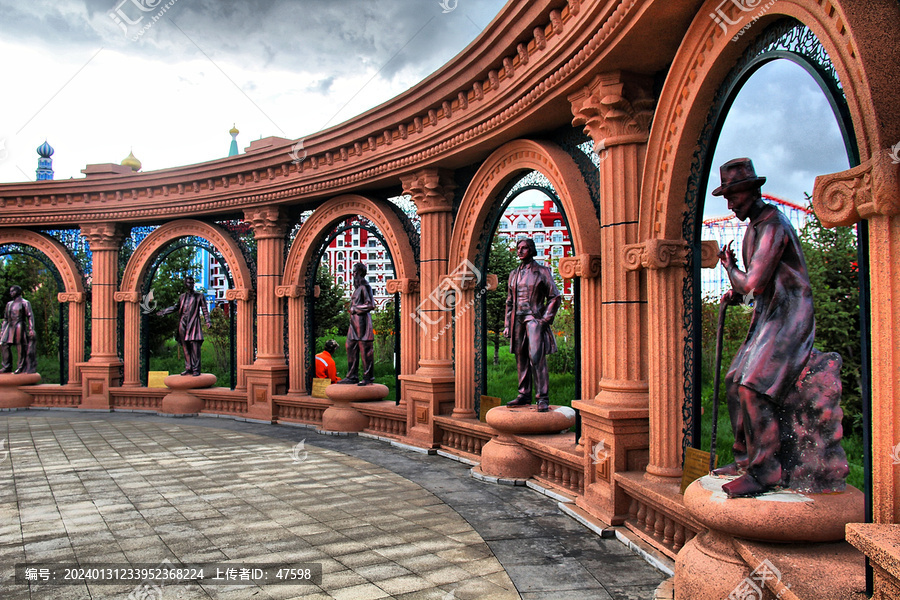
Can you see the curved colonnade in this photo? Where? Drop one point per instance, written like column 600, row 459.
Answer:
column 638, row 77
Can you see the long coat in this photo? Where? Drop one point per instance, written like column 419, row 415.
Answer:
column 362, row 303
column 531, row 287
column 783, row 327
column 190, row 306
column 18, row 321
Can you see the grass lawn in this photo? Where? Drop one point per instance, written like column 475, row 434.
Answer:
column 503, row 379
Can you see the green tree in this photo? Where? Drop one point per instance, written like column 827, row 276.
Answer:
column 218, row 336
column 501, row 261
column 330, row 314
column 383, row 324
column 831, row 256
column 167, row 286
column 39, row 288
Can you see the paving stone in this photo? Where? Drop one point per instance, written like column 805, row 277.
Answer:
column 382, row 521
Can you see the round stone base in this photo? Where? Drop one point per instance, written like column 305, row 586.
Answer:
column 180, row 401
column 708, row 567
column 504, row 457
column 10, row 394
column 783, row 516
column 343, row 417
column 528, row 421
column 346, row 392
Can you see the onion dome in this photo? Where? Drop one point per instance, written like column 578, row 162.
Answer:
column 234, row 130
column 45, row 150
column 131, row 161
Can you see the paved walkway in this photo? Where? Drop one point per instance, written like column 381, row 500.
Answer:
column 128, row 488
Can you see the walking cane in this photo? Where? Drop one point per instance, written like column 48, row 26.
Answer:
column 717, row 378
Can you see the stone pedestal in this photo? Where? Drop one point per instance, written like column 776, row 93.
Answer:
column 343, row 417
column 503, row 456
column 180, row 401
column 10, row 394
column 711, row 565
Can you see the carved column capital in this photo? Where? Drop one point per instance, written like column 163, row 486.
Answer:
column 403, row 286
column 615, row 108
column 872, row 188
column 431, row 190
column 73, row 297
column 491, row 282
column 709, row 254
column 266, row 221
column 132, row 297
column 656, row 254
column 244, row 295
column 103, row 236
column 289, row 291
column 586, row 266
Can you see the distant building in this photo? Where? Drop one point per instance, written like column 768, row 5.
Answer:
column 545, row 225
column 715, row 282
column 358, row 245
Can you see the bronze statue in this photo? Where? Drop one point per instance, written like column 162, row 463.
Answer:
column 360, row 335
column 766, row 370
column 531, row 306
column 18, row 330
column 190, row 306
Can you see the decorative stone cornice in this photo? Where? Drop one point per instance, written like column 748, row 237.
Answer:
column 267, row 221
column 872, row 188
column 615, row 108
column 244, row 295
column 403, row 286
column 131, row 297
column 103, row 236
column 431, row 190
column 73, row 297
column 586, row 266
column 656, row 254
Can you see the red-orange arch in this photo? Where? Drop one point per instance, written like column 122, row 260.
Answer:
column 150, row 247
column 853, row 35
column 52, row 249
column 512, row 160
column 313, row 232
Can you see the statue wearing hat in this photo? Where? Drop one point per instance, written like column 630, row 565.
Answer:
column 762, row 383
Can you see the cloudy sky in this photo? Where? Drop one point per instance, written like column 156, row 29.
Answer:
column 99, row 78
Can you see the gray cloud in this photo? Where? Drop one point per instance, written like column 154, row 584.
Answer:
column 339, row 38
column 782, row 120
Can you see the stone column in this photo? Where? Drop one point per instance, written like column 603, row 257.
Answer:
column 430, row 391
column 101, row 371
column 244, row 332
column 76, row 302
column 665, row 262
column 587, row 268
column 296, row 295
column 871, row 191
column 268, row 375
column 131, row 350
column 615, row 110
column 409, row 329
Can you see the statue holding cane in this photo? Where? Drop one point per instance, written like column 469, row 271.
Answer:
column 191, row 304
column 778, row 345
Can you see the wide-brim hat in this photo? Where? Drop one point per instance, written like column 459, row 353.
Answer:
column 738, row 175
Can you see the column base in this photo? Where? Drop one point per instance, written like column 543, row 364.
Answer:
column 263, row 382
column 96, row 380
column 427, row 397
